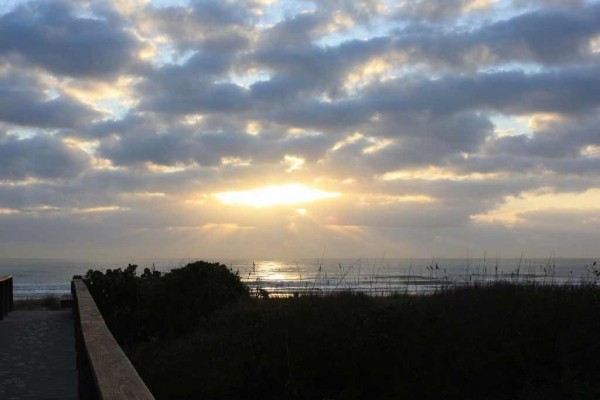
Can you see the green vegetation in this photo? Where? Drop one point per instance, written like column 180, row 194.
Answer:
column 503, row 341
column 43, row 303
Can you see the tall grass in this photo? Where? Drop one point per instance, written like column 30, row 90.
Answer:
column 44, row 303
column 487, row 340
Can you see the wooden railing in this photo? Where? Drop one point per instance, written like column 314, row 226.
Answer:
column 104, row 370
column 6, row 295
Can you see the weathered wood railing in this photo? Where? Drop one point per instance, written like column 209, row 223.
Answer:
column 104, row 370
column 6, row 295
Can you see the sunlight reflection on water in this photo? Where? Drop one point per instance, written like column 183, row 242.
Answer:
column 381, row 277
column 35, row 278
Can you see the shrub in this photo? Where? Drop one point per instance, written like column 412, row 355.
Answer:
column 159, row 304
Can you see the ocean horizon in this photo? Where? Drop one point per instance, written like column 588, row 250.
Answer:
column 38, row 277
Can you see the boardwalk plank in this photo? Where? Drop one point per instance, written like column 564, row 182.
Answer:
column 37, row 360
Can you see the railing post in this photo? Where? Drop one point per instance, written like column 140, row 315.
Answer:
column 11, row 299
column 2, row 299
column 6, row 296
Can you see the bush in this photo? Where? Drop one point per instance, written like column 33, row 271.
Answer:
column 161, row 305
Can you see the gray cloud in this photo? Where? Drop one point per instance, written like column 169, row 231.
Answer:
column 557, row 147
column 515, row 92
column 23, row 102
column 217, row 26
column 130, row 123
column 310, row 69
column 208, row 149
column 49, row 35
column 563, row 138
column 295, row 32
column 200, row 98
column 189, row 89
column 549, row 37
column 358, row 10
column 432, row 10
column 41, row 156
column 321, row 115
column 543, row 36
column 551, row 3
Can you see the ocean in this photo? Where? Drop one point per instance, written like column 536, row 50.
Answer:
column 34, row 278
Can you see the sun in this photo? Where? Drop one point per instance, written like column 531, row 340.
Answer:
column 270, row 196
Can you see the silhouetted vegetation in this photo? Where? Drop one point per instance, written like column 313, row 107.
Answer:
column 43, row 303
column 502, row 341
column 162, row 305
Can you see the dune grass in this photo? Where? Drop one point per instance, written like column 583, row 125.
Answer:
column 43, row 303
column 500, row 341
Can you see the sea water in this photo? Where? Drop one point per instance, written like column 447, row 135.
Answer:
column 39, row 277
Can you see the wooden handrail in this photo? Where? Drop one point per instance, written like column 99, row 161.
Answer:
column 105, row 372
column 6, row 295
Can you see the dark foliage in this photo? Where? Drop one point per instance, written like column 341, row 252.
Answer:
column 494, row 342
column 162, row 305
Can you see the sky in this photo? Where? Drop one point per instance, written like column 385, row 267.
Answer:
column 283, row 129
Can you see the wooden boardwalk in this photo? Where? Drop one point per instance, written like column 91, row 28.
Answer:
column 37, row 356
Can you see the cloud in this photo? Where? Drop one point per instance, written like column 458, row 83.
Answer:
column 218, row 26
column 440, row 10
column 23, row 101
column 509, row 92
column 359, row 10
column 190, row 88
column 561, row 138
column 544, row 36
column 310, row 69
column 200, row 97
column 41, row 156
column 118, row 124
column 551, row 3
column 208, row 149
column 295, row 32
column 49, row 35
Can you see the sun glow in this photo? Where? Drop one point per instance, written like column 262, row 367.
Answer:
column 274, row 196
